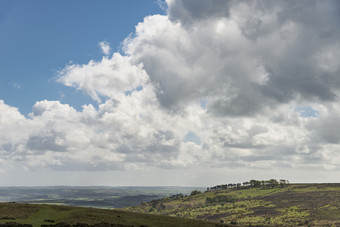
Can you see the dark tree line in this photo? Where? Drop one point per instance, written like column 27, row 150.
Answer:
column 252, row 184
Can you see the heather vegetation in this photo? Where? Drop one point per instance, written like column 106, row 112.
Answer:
column 38, row 215
column 255, row 202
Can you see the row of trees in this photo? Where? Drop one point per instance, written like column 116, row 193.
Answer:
column 268, row 183
column 251, row 183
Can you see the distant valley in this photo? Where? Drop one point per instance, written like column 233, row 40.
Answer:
column 99, row 197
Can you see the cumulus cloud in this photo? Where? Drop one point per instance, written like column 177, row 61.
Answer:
column 107, row 78
column 244, row 56
column 211, row 84
column 105, row 47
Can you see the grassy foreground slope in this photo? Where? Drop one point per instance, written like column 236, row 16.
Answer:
column 38, row 215
column 291, row 205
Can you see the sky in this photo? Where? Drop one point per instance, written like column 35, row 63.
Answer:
column 174, row 92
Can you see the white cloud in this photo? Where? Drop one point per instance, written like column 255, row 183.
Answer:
column 256, row 67
column 109, row 77
column 105, row 47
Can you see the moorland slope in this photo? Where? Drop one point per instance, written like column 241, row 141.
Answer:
column 36, row 215
column 234, row 205
column 287, row 205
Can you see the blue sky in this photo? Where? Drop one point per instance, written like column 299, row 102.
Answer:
column 38, row 38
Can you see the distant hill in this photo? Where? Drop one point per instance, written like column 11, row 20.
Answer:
column 95, row 196
column 261, row 204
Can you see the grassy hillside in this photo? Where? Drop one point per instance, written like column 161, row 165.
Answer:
column 38, row 215
column 297, row 204
column 290, row 205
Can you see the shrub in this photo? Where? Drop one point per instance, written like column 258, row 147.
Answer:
column 220, row 198
column 195, row 192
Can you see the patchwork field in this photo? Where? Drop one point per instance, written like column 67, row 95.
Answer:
column 100, row 197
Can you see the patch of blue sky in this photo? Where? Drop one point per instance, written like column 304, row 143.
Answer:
column 137, row 89
column 306, row 111
column 192, row 137
column 39, row 38
column 75, row 98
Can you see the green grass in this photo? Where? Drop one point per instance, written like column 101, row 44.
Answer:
column 36, row 215
column 45, row 212
column 256, row 192
column 15, row 211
